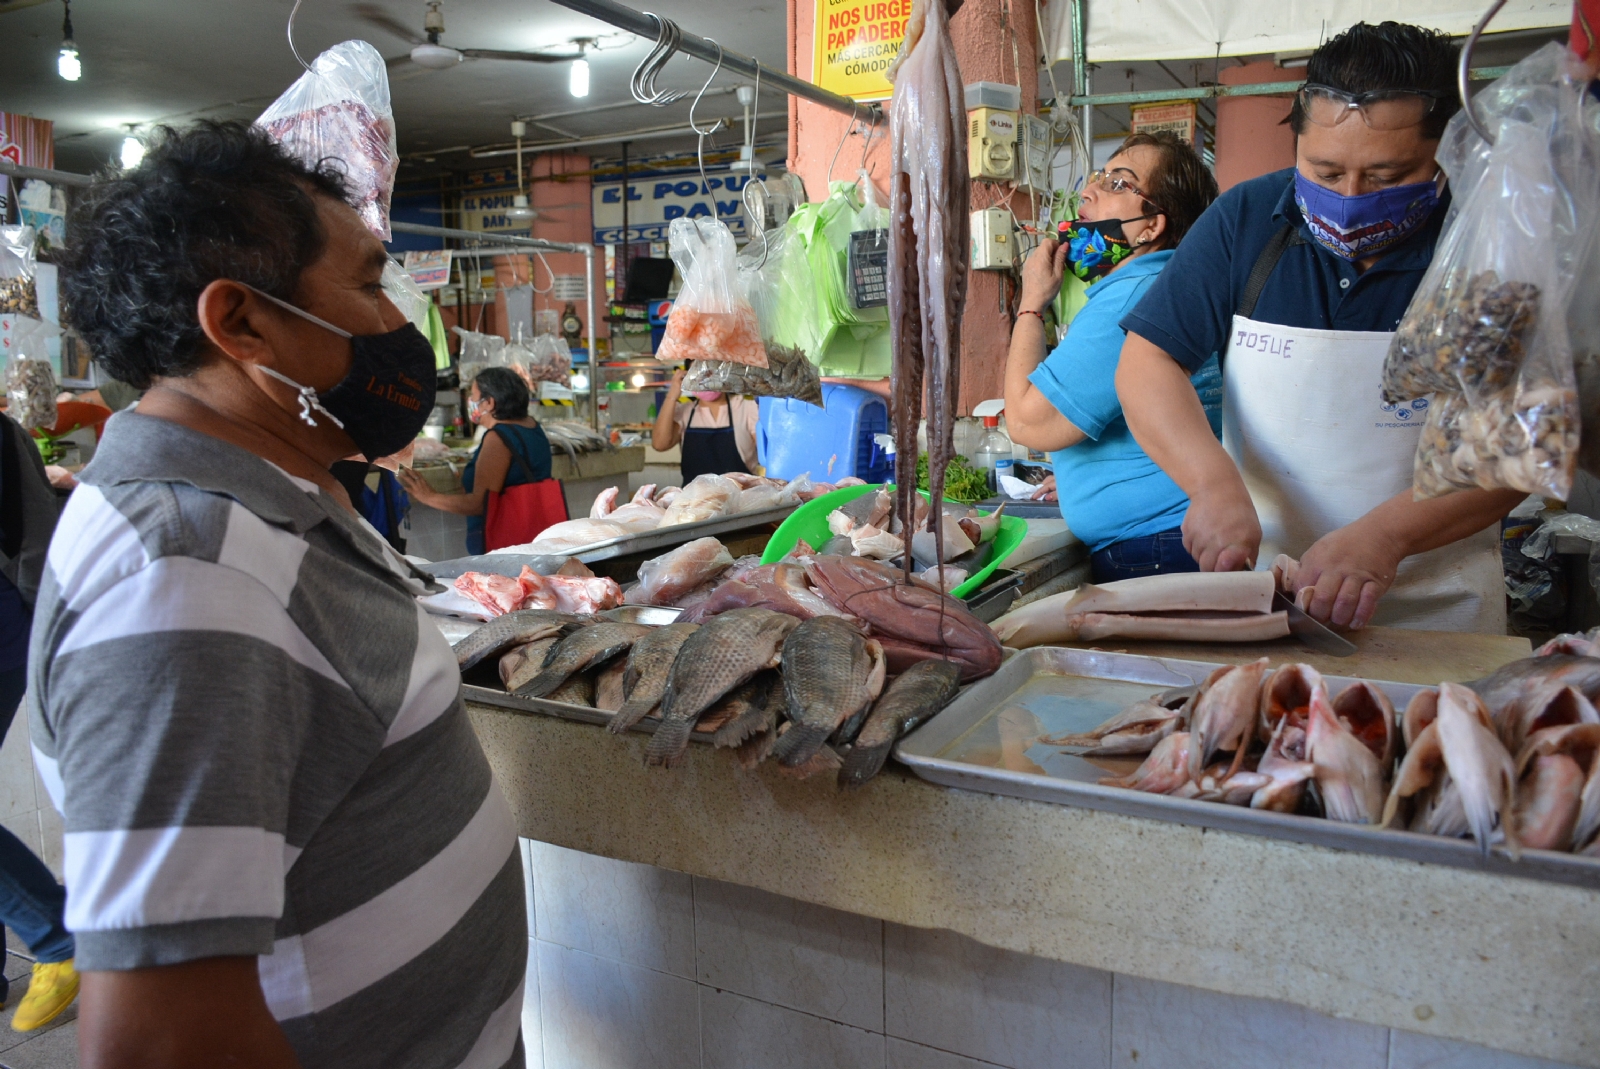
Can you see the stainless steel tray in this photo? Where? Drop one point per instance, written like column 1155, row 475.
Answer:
column 1073, row 690
column 582, row 713
column 678, row 534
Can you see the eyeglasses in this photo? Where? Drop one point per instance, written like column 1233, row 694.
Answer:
column 1115, row 183
column 1380, row 109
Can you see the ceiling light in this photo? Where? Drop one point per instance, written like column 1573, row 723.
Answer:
column 579, row 83
column 519, row 208
column 132, row 152
column 638, row 380
column 67, row 62
column 435, row 56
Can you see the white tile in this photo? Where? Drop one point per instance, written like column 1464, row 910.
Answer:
column 903, row 1055
column 51, row 844
column 17, row 791
column 532, row 1015
column 1168, row 1026
column 806, row 957
column 947, row 991
column 743, row 1033
column 633, row 913
column 602, row 1014
column 1407, row 1050
column 525, row 848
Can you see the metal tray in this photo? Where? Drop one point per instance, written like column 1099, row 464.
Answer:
column 1074, row 690
column 582, row 713
column 678, row 534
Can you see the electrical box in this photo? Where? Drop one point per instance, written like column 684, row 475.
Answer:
column 991, row 144
column 994, row 246
column 1033, row 153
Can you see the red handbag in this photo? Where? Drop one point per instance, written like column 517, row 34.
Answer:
column 518, row 513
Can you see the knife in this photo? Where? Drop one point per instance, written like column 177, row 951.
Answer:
column 1310, row 632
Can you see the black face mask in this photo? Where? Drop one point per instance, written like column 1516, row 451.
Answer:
column 388, row 394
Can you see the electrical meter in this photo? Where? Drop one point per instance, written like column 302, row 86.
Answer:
column 991, row 144
column 1033, row 153
column 994, row 245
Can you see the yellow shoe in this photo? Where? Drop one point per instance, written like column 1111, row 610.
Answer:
column 51, row 990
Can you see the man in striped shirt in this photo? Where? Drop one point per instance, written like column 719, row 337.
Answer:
column 284, row 846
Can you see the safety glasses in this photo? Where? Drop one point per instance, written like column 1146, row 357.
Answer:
column 1381, row 109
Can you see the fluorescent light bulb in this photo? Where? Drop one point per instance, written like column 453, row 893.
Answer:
column 132, row 152
column 67, row 63
column 579, row 84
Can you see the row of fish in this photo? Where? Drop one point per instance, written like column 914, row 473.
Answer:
column 913, row 621
column 1511, row 759
column 809, row 694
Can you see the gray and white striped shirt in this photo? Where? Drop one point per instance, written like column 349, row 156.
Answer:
column 258, row 746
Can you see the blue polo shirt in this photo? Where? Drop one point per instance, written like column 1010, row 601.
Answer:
column 1189, row 310
column 1109, row 489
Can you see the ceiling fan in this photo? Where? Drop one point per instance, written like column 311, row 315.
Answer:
column 428, row 53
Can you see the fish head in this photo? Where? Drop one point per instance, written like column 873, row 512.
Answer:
column 1421, row 710
column 1286, row 692
column 1369, row 715
column 1479, row 765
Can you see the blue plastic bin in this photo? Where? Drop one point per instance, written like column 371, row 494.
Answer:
column 794, row 437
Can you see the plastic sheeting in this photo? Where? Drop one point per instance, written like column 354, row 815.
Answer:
column 1202, row 29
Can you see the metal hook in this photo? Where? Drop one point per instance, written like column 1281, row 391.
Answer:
column 292, row 13
column 1463, row 71
column 760, row 224
column 643, row 83
column 872, row 131
column 700, row 145
column 849, row 126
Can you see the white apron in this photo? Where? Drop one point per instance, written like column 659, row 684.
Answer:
column 1318, row 449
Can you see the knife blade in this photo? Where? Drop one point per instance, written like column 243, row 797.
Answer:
column 1310, row 632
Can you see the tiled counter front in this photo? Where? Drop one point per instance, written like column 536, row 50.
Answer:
column 912, row 926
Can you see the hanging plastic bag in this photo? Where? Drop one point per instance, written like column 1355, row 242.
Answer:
column 711, row 319
column 479, row 351
column 339, row 110
column 403, row 291
column 777, row 283
column 788, row 374
column 30, row 384
column 549, row 359
column 867, row 263
column 1487, row 328
column 18, row 294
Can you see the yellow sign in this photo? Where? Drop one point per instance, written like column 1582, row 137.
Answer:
column 854, row 43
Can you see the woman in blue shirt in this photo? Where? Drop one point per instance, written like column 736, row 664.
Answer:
column 515, row 451
column 1113, row 497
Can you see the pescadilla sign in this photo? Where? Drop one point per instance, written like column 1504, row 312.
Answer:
column 854, row 42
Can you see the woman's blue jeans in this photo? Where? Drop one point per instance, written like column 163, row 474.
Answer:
column 32, row 903
column 1147, row 555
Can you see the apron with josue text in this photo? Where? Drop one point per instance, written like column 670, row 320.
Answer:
column 1318, row 449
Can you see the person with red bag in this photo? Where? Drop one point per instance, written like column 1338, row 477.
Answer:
column 510, row 496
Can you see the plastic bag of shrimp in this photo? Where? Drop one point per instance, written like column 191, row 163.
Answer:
column 1487, row 330
column 711, row 319
column 338, row 111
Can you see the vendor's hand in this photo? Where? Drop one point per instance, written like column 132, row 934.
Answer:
column 1221, row 531
column 1350, row 569
column 414, row 485
column 1046, row 490
column 1041, row 275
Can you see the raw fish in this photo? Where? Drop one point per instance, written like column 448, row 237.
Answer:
column 1479, row 765
column 1164, row 771
column 596, row 644
column 705, row 498
column 513, row 629
column 780, row 587
column 498, row 593
column 831, row 673
column 645, row 674
column 1224, row 717
column 920, row 692
column 667, row 578
column 571, row 535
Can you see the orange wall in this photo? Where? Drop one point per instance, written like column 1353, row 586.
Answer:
column 559, row 189
column 1251, row 140
column 984, row 52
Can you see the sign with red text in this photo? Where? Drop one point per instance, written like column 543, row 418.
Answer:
column 1177, row 117
column 854, row 42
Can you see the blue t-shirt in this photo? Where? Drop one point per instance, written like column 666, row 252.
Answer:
column 1109, row 489
column 531, row 460
column 1189, row 310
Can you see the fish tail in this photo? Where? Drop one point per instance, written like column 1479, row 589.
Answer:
column 756, row 749
column 740, row 728
column 820, row 763
column 630, row 714
column 668, row 744
column 543, row 684
column 800, row 743
column 862, row 763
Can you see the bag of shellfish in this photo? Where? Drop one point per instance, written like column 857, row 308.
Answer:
column 1487, row 329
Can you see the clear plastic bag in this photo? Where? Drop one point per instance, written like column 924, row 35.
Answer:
column 407, row 296
column 339, row 110
column 788, row 374
column 711, row 319
column 777, row 281
column 549, row 359
column 1487, row 329
column 18, row 295
column 30, row 384
column 479, row 351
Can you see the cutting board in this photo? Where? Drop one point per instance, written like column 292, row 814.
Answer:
column 1044, row 536
column 1398, row 654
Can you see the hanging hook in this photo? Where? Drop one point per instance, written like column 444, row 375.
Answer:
column 292, row 13
column 643, row 83
column 849, row 126
column 1464, row 75
column 700, row 144
column 872, row 131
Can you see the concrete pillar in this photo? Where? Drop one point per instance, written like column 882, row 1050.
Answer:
column 995, row 41
column 1251, row 138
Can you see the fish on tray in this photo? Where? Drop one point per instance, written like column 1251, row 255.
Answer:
column 1457, row 778
column 1225, row 714
column 645, row 674
column 667, row 578
column 1349, row 777
column 723, row 653
column 514, row 629
column 917, row 694
column 831, row 675
column 590, row 647
column 1558, row 792
column 752, row 708
column 522, row 663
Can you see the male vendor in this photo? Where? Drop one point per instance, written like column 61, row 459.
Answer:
column 1298, row 279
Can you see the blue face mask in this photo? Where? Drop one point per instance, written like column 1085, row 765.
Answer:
column 1365, row 225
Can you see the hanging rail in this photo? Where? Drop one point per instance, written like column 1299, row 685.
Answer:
column 1205, row 92
column 643, row 25
column 63, row 178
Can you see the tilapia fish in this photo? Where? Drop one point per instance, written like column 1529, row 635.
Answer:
column 751, row 709
column 831, row 673
column 920, row 691
column 608, row 696
column 1348, row 775
column 1368, row 714
column 591, row 646
column 522, row 663
column 929, row 253
column 723, row 653
column 1479, row 765
column 644, row 678
column 1163, row 772
column 1225, row 714
column 513, row 629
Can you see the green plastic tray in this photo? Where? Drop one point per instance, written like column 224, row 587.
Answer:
column 810, row 522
